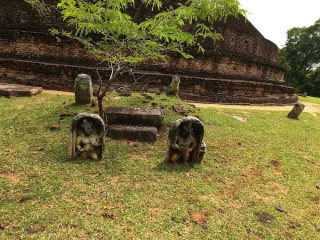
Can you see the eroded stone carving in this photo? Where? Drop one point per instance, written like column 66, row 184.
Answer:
column 87, row 133
column 173, row 88
column 83, row 89
column 185, row 141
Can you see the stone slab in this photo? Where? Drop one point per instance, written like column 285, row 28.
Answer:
column 18, row 90
column 179, row 108
column 133, row 133
column 133, row 116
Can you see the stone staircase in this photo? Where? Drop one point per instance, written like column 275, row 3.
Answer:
column 133, row 124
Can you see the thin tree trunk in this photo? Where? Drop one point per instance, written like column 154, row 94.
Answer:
column 104, row 89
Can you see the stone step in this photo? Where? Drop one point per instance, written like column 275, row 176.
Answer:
column 133, row 116
column 18, row 90
column 133, row 133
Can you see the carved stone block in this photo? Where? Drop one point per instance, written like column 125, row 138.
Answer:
column 133, row 116
column 87, row 133
column 133, row 133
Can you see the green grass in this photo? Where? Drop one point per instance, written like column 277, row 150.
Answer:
column 250, row 167
column 309, row 99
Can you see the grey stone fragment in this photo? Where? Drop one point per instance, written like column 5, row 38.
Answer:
column 83, row 89
column 133, row 116
column 179, row 108
column 87, row 133
column 133, row 133
column 296, row 111
column 18, row 90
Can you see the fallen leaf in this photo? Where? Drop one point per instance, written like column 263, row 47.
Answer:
column 198, row 217
column 35, row 228
column 279, row 208
column 109, row 215
column 288, row 235
column 23, row 199
column 193, row 199
column 153, row 210
column 275, row 163
column 54, row 127
column 2, row 226
column 264, row 217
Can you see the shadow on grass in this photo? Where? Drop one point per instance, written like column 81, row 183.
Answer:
column 165, row 166
column 79, row 160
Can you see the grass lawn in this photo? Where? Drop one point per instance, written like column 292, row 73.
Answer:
column 309, row 99
column 250, row 169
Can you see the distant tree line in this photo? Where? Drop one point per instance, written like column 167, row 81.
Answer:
column 301, row 57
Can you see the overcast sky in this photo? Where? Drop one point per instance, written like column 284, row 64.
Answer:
column 274, row 17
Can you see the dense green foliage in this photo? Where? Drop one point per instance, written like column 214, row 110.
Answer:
column 301, row 55
column 250, row 168
column 120, row 42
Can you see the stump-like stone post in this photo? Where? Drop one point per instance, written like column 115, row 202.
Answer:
column 87, row 134
column 83, row 89
column 296, row 111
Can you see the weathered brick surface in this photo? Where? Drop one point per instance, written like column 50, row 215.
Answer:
column 242, row 68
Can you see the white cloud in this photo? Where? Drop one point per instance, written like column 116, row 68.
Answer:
column 273, row 18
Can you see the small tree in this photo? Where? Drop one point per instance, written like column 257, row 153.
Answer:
column 121, row 42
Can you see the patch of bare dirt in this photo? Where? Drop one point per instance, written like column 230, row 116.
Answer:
column 309, row 107
column 58, row 92
column 11, row 177
column 264, row 217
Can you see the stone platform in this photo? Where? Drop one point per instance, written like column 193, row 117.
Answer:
column 133, row 116
column 133, row 124
column 133, row 133
column 18, row 90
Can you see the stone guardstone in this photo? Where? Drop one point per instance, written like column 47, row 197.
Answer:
column 83, row 89
column 18, row 90
column 87, row 133
column 185, row 141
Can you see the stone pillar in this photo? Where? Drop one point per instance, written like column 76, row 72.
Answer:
column 296, row 111
column 83, row 89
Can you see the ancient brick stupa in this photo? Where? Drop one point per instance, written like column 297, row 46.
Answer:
column 240, row 69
